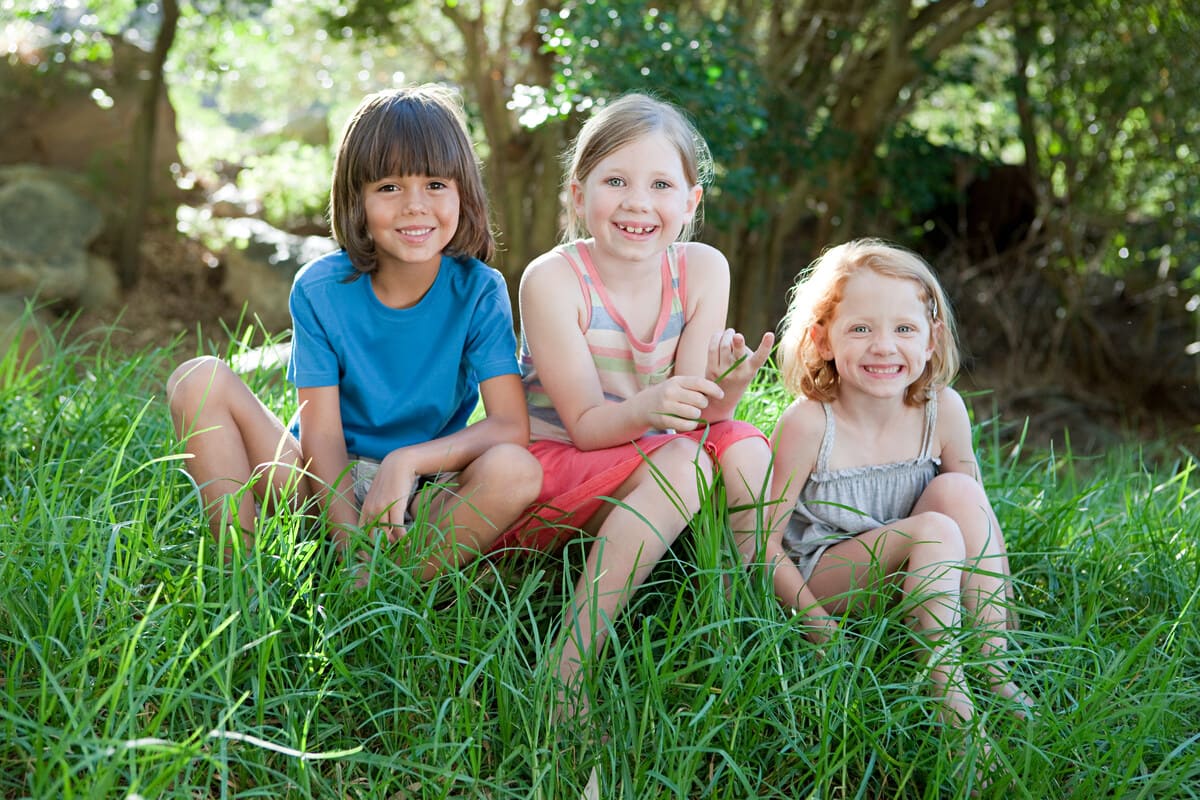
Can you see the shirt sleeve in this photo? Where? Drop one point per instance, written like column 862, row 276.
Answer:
column 492, row 344
column 313, row 361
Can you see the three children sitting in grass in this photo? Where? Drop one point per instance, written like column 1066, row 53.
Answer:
column 627, row 382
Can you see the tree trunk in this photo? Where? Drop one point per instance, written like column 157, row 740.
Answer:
column 141, row 157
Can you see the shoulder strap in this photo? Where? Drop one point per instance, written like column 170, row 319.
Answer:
column 930, row 425
column 575, row 254
column 677, row 262
column 822, row 464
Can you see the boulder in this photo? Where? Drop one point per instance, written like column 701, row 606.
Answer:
column 259, row 263
column 47, row 224
column 80, row 116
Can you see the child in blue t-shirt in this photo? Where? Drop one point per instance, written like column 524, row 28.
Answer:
column 395, row 337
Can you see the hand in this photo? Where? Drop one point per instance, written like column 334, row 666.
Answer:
column 386, row 503
column 820, row 630
column 731, row 362
column 679, row 402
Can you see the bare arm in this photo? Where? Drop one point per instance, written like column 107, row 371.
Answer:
column 706, row 346
column 323, row 444
column 552, row 313
column 795, row 443
column 954, row 434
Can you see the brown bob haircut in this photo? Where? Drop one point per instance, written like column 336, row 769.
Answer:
column 414, row 131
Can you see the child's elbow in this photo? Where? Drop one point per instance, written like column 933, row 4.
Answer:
column 515, row 430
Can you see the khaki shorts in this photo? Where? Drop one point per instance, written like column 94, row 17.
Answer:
column 362, row 474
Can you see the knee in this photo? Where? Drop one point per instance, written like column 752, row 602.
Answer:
column 963, row 498
column 515, row 471
column 681, row 467
column 746, row 468
column 194, row 381
column 952, row 492
column 682, row 461
column 938, row 535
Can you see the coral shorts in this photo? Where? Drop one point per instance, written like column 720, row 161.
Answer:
column 575, row 482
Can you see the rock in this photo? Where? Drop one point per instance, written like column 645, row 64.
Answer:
column 52, row 117
column 259, row 265
column 102, row 287
column 46, row 226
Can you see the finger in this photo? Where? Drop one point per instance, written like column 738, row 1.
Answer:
column 395, row 526
column 678, row 422
column 737, row 343
column 763, row 351
column 368, row 516
column 729, row 342
column 714, row 347
column 697, row 390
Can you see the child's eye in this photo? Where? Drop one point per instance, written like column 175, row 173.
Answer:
column 615, row 182
column 906, row 329
column 438, row 184
column 661, row 185
column 860, row 329
column 387, row 187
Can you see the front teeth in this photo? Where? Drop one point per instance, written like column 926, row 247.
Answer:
column 636, row 230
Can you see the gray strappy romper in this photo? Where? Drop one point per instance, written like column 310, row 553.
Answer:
column 838, row 505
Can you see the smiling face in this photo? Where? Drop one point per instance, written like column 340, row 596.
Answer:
column 411, row 219
column 879, row 336
column 637, row 199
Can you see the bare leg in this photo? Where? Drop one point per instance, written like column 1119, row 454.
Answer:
column 986, row 585
column 632, row 537
column 231, row 440
column 491, row 493
column 745, row 472
column 931, row 546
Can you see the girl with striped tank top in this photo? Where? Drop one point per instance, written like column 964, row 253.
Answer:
column 631, row 375
column 875, row 471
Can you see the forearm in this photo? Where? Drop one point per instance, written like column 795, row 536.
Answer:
column 328, row 464
column 793, row 591
column 458, row 450
column 609, row 424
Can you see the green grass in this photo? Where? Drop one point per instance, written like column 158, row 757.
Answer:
column 134, row 665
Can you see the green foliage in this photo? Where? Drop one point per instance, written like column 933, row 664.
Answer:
column 291, row 181
column 1118, row 114
column 700, row 63
column 137, row 664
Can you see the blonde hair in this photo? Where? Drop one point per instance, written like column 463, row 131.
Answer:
column 815, row 298
column 627, row 119
column 414, row 131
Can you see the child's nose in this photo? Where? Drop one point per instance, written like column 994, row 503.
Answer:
column 637, row 199
column 416, row 202
column 883, row 342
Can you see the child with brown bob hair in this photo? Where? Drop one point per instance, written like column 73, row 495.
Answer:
column 395, row 338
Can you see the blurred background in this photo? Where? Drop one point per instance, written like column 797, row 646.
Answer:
column 165, row 165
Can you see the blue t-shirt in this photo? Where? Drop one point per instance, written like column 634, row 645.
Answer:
column 404, row 376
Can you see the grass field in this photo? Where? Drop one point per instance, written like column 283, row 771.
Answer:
column 134, row 664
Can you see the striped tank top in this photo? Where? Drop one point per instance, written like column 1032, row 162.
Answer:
column 625, row 364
